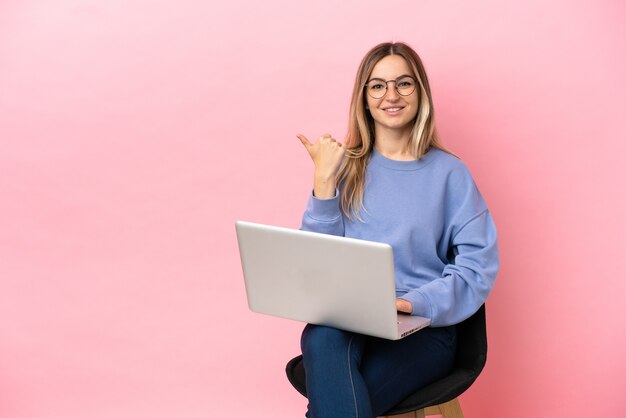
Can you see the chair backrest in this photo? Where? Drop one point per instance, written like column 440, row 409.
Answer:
column 472, row 342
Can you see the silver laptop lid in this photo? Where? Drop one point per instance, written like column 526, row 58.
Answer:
column 318, row 278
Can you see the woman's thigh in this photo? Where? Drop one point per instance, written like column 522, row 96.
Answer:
column 392, row 370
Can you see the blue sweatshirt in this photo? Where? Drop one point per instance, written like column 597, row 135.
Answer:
column 432, row 214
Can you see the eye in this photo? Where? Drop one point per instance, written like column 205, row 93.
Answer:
column 376, row 85
column 405, row 83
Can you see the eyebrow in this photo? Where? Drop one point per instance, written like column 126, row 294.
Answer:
column 382, row 79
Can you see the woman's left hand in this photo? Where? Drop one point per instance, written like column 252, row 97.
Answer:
column 404, row 306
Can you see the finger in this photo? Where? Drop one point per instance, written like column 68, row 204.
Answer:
column 304, row 140
column 334, row 141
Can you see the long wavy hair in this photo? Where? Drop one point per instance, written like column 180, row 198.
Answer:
column 359, row 141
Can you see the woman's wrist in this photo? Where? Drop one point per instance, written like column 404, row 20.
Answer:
column 324, row 187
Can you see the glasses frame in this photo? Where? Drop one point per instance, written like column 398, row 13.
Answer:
column 395, row 81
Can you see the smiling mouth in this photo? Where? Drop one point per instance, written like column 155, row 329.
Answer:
column 392, row 109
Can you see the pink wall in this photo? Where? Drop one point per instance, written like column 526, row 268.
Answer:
column 134, row 133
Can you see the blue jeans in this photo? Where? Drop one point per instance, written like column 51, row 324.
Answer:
column 350, row 375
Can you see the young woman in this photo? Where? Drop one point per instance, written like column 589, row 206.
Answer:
column 393, row 182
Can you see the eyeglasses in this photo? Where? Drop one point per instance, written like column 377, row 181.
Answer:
column 377, row 87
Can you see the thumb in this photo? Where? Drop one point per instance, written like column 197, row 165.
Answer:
column 304, row 140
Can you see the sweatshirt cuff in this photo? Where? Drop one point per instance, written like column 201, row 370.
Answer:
column 324, row 210
column 421, row 305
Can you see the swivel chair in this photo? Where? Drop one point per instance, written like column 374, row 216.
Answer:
column 440, row 397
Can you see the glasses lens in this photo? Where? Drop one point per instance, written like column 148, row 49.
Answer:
column 376, row 88
column 405, row 85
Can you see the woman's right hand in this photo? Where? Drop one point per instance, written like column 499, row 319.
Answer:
column 326, row 154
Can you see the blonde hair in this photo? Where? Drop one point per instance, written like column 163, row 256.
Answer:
column 360, row 138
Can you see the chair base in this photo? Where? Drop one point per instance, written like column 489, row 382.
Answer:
column 450, row 409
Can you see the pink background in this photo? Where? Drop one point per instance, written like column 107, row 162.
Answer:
column 133, row 133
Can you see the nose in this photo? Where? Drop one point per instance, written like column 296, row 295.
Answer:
column 392, row 92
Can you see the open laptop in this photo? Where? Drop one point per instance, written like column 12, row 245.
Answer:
column 323, row 279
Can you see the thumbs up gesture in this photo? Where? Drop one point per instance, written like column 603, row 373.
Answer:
column 326, row 154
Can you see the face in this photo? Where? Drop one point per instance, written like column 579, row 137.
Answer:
column 393, row 111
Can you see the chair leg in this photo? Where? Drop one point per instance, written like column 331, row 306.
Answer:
column 414, row 414
column 451, row 409
column 431, row 410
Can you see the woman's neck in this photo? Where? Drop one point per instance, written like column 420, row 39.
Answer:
column 394, row 145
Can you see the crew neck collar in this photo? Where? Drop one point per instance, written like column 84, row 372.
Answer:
column 379, row 159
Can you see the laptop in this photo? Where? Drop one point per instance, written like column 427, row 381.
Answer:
column 323, row 279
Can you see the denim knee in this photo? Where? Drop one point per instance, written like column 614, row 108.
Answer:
column 317, row 339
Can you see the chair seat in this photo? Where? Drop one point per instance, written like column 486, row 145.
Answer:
column 443, row 390
column 470, row 359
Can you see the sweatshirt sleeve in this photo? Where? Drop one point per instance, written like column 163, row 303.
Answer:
column 323, row 216
column 472, row 266
column 466, row 282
